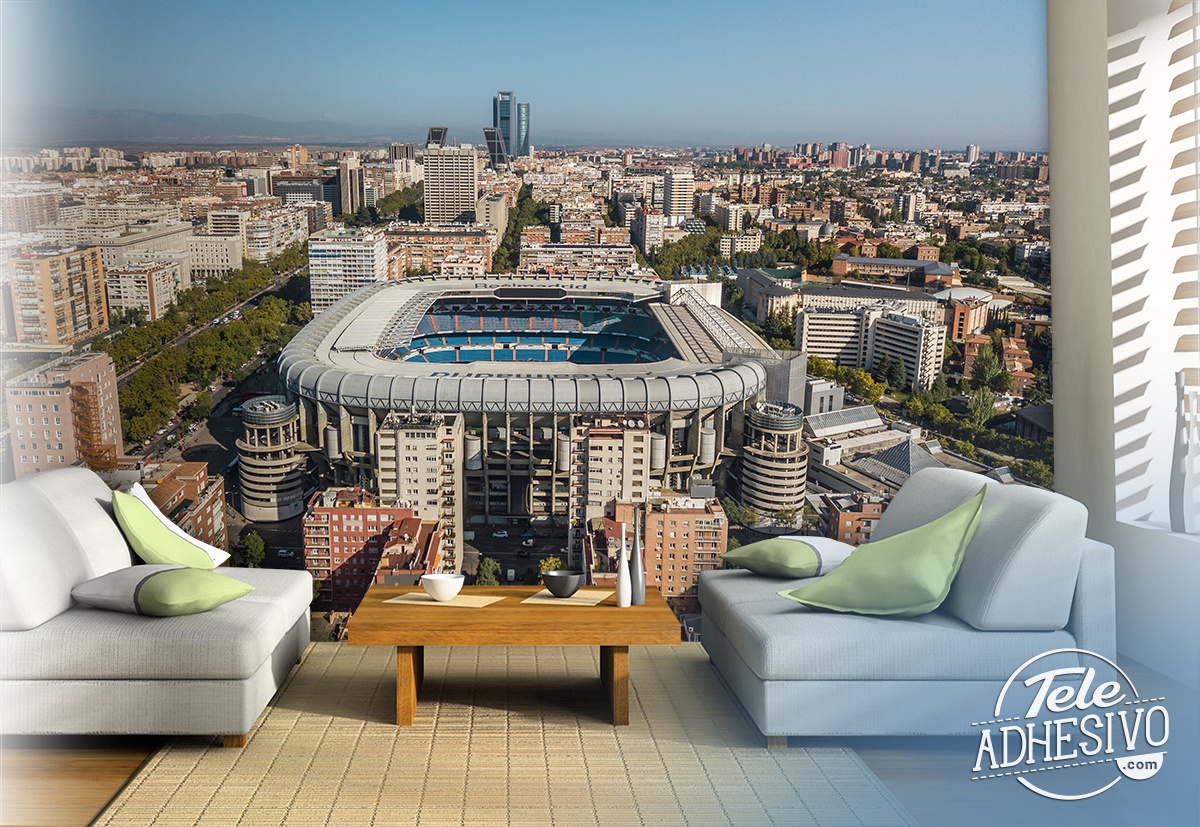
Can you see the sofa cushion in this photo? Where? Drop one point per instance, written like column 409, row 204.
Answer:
column 792, row 556
column 722, row 591
column 41, row 562
column 905, row 575
column 160, row 591
column 1019, row 571
column 290, row 590
column 782, row 641
column 152, row 541
column 231, row 642
column 85, row 500
column 218, row 556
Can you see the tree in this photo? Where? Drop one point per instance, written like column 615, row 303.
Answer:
column 1035, row 471
column 1002, row 382
column 202, row 407
column 488, row 573
column 914, row 408
column 733, row 544
column 787, row 516
column 985, row 367
column 254, row 550
column 981, row 408
column 883, row 367
column 889, row 251
column 549, row 564
column 941, row 388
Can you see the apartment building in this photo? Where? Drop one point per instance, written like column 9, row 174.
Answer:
column 24, row 207
column 861, row 337
column 747, row 242
column 419, row 465
column 679, row 186
column 729, row 216
column 773, row 469
column 213, row 256
column 577, row 259
column 56, row 295
column 342, row 260
column 451, row 184
column 271, row 464
column 190, row 497
column 615, row 466
column 904, row 269
column 269, row 234
column 345, row 531
column 646, row 229
column 965, row 311
column 681, row 537
column 152, row 286
column 426, row 247
column 137, row 243
column 65, row 413
column 492, row 211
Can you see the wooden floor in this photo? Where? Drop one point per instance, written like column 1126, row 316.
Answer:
column 67, row 781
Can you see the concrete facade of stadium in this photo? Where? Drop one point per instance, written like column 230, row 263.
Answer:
column 556, row 396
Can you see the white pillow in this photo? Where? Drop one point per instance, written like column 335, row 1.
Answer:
column 830, row 553
column 218, row 556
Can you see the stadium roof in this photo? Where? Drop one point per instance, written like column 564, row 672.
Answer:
column 336, row 359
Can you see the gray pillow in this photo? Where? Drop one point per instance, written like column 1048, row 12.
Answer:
column 160, row 591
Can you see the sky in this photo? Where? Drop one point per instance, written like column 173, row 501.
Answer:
column 892, row 73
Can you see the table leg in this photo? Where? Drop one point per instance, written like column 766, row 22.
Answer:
column 419, row 666
column 408, row 660
column 614, row 674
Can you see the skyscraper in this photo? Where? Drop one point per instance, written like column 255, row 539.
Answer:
column 451, row 184
column 497, row 154
column 350, row 185
column 503, row 114
column 522, row 149
column 437, row 135
column 679, row 186
column 972, row 153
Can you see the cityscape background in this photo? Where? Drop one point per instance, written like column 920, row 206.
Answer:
column 904, row 75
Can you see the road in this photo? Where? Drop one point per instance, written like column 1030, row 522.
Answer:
column 183, row 338
column 506, row 551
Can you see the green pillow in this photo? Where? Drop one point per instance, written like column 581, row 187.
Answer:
column 906, row 575
column 151, row 540
column 160, row 591
column 790, row 556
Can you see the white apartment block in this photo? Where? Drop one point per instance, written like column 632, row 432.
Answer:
column 229, row 221
column 341, row 261
column 271, row 233
column 747, row 242
column 729, row 216
column 420, row 466
column 679, row 187
column 451, row 184
column 492, row 211
column 646, row 229
column 577, row 259
column 130, row 209
column 135, row 241
column 861, row 337
column 150, row 286
column 615, row 466
column 214, row 256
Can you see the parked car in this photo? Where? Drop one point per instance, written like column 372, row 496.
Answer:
column 501, row 534
column 286, row 552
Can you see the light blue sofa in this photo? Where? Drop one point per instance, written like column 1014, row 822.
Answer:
column 1030, row 582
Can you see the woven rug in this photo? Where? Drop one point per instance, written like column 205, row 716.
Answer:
column 502, row 736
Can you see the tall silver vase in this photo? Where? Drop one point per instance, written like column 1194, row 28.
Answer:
column 624, row 590
column 637, row 565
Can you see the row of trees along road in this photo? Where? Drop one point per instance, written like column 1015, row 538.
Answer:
column 151, row 397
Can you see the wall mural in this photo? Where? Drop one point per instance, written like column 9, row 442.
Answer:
column 1154, row 145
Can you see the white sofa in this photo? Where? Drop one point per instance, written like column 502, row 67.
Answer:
column 66, row 668
column 1030, row 582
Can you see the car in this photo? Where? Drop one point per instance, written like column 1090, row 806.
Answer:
column 500, row 535
column 526, row 533
column 286, row 552
column 160, row 431
column 530, row 543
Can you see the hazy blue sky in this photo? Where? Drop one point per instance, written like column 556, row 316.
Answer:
column 895, row 73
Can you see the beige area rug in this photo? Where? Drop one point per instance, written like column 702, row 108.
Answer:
column 503, row 736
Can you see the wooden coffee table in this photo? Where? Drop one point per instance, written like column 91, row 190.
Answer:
column 508, row 622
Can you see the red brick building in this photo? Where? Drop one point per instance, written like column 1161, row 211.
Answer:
column 190, row 498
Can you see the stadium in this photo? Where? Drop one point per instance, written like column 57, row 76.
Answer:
column 537, row 367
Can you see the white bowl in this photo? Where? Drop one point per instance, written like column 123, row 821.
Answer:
column 442, row 587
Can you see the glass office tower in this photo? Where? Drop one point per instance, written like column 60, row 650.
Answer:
column 522, row 144
column 503, row 115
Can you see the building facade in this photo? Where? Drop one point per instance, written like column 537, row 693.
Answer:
column 271, row 467
column 451, row 184
column 773, row 469
column 342, row 260
column 65, row 413
column 57, row 295
column 426, row 247
column 191, row 498
column 152, row 287
column 213, row 256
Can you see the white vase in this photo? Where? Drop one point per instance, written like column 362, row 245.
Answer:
column 624, row 587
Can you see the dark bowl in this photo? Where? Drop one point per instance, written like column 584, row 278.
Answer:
column 563, row 583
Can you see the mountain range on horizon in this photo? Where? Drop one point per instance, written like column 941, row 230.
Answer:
column 30, row 128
